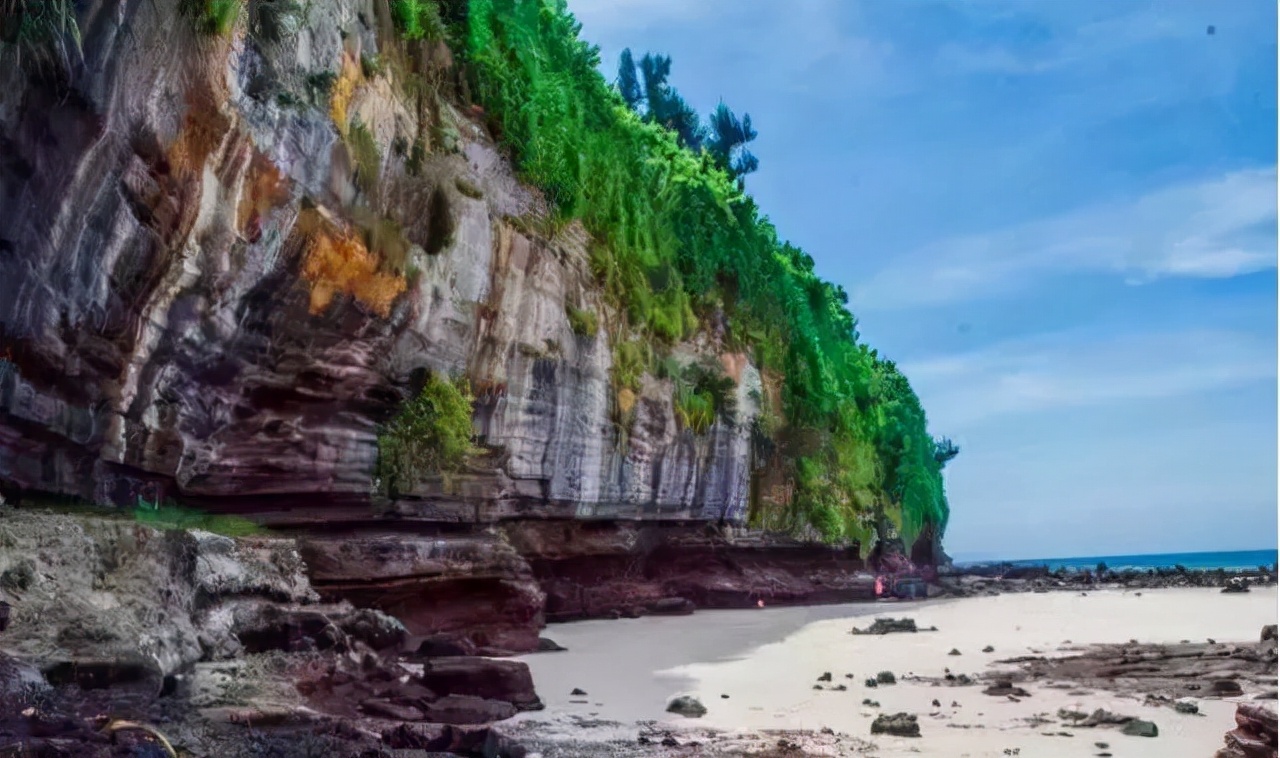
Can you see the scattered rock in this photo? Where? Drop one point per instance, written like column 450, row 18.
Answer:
column 886, row 677
column 840, row 688
column 825, row 677
column 988, row 649
column 869, row 702
column 954, row 652
column 724, row 697
column 1189, row 707
column 871, row 683
column 1103, row 717
column 1140, row 728
column 687, row 706
column 1005, row 687
column 899, row 725
column 888, row 626
column 936, row 703
column 578, row 691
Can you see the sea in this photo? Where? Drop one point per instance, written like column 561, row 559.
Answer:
column 1230, row 560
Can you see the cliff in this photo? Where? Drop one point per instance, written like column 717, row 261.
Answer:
column 231, row 251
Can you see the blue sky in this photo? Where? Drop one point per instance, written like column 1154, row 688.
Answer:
column 1057, row 216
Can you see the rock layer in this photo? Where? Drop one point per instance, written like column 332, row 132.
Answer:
column 199, row 297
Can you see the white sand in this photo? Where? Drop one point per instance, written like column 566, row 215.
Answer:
column 768, row 660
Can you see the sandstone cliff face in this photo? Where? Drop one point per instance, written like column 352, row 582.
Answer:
column 210, row 289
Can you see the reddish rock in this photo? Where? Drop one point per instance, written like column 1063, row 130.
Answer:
column 505, row 680
column 1254, row 735
column 470, row 586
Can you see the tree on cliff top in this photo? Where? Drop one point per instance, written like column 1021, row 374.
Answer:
column 651, row 95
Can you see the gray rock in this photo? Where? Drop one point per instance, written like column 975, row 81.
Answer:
column 888, row 626
column 1140, row 728
column 687, row 706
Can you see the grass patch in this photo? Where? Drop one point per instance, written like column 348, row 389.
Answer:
column 169, row 516
column 372, row 66
column 212, row 17
column 430, row 435
column 583, row 322
column 320, row 86
column 364, row 153
column 418, row 20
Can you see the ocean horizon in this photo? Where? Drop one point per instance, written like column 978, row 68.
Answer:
column 1219, row 559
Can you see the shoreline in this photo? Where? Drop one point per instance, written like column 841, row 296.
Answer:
column 773, row 684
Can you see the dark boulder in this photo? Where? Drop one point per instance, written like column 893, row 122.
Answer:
column 687, row 706
column 888, row 626
column 898, row 725
column 1140, row 728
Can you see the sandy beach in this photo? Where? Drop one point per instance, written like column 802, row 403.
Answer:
column 768, row 662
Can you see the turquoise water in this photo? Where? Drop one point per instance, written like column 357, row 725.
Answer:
column 1237, row 559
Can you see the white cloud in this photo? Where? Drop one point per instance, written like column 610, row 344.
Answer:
column 1215, row 228
column 1079, row 369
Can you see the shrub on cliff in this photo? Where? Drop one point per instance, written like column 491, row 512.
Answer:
column 677, row 242
column 431, row 434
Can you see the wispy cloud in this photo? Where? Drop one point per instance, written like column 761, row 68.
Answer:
column 1216, row 228
column 1077, row 369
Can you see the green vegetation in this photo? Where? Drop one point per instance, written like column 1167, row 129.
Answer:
column 430, row 435
column 581, row 321
column 320, row 85
column 364, row 153
column 418, row 19
column 38, row 31
column 171, row 516
column 166, row 514
column 372, row 66
column 650, row 95
column 702, row 392
column 212, row 17
column 677, row 241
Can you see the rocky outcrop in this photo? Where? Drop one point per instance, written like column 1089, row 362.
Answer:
column 600, row 569
column 199, row 297
column 1254, row 735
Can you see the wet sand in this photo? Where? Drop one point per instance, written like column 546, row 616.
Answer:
column 769, row 660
